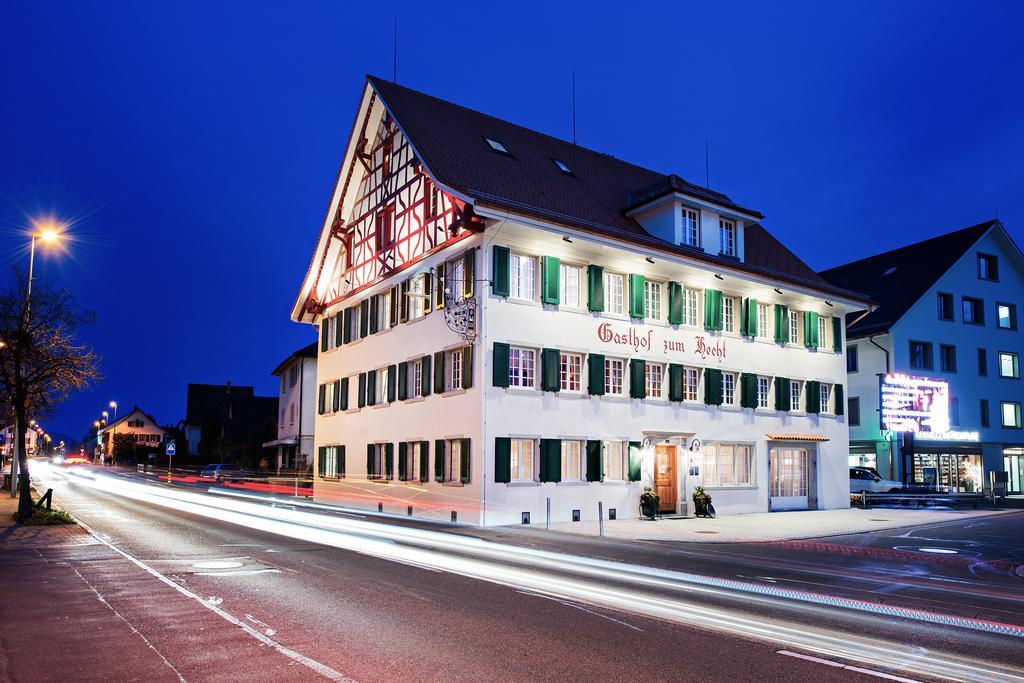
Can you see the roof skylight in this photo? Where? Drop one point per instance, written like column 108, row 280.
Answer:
column 562, row 167
column 496, row 146
column 890, row 270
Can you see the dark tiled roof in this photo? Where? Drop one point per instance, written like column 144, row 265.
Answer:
column 308, row 351
column 449, row 139
column 912, row 270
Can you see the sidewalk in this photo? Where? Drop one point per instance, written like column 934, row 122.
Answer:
column 74, row 609
column 770, row 526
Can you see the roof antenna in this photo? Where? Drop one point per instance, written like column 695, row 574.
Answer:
column 394, row 54
column 574, row 106
column 707, row 166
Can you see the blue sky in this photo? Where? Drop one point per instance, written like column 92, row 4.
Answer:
column 194, row 145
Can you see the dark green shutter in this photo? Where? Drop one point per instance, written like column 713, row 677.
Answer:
column 637, row 303
column 837, row 334
column 441, row 283
column 337, row 395
column 439, row 372
column 467, row 367
column 637, row 383
column 839, row 399
column 344, row 393
column 781, row 324
column 361, row 390
column 748, row 324
column 595, row 369
column 403, row 381
column 439, row 460
column 369, row 462
column 424, row 460
column 321, row 460
column 324, row 333
column 341, row 461
column 339, row 329
column 502, row 459
column 748, row 390
column 810, row 329
column 392, row 382
column 675, row 303
column 425, row 376
column 712, row 309
column 364, row 318
column 499, row 365
column 469, row 272
column 550, row 460
column 403, row 301
column 813, row 391
column 675, row 382
column 634, row 461
column 595, row 288
column 374, row 305
column 428, row 300
column 466, row 460
column 393, row 313
column 403, row 461
column 500, row 280
column 549, row 375
column 389, row 461
column 713, row 387
column 782, row 395
column 322, row 404
column 550, row 280
column 594, row 461
column 371, row 387
column 347, row 319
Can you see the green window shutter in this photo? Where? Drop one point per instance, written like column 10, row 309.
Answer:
column 637, row 385
column 499, row 365
column 749, row 322
column 425, row 376
column 369, row 461
column 839, row 399
column 337, row 395
column 595, row 288
column 403, row 301
column 595, row 368
column 424, row 460
column 637, row 303
column 322, row 403
column 551, row 460
column 594, row 462
column 324, row 333
column 321, row 458
column 428, row 290
column 810, row 329
column 500, row 279
column 469, row 273
column 341, row 461
column 392, row 382
column 364, row 318
column 550, row 280
column 467, row 458
column 403, row 381
column 675, row 303
column 782, row 394
column 361, row 390
column 502, row 459
column 675, row 382
column 346, row 319
column 389, row 461
column 467, row 367
column 748, row 390
column 374, row 305
column 813, row 391
column 344, row 393
column 713, row 387
column 371, row 387
column 339, row 329
column 393, row 313
column 712, row 309
column 837, row 334
column 781, row 324
column 549, row 378
column 634, row 461
column 439, row 451
column 439, row 282
column 439, row 372
column 403, row 461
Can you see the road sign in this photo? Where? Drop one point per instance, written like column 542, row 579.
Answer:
column 170, row 448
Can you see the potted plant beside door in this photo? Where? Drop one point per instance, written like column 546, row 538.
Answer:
column 702, row 506
column 649, row 500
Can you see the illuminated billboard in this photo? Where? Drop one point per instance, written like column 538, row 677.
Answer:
column 914, row 404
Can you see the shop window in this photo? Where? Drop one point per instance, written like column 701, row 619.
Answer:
column 522, row 459
column 727, row 464
column 615, row 453
column 572, row 460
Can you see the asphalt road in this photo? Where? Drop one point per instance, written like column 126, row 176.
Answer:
column 388, row 602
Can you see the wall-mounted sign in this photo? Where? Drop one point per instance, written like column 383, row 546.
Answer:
column 914, row 404
column 641, row 338
column 951, row 435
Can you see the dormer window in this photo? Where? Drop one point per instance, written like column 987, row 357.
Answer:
column 562, row 167
column 691, row 227
column 727, row 237
column 496, row 146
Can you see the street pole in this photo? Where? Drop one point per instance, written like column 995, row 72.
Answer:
column 113, row 434
column 16, row 462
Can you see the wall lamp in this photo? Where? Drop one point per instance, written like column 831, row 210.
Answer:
column 649, row 260
column 828, row 303
column 565, row 238
column 718, row 276
column 778, row 291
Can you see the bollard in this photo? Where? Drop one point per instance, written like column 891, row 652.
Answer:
column 547, row 524
column 600, row 518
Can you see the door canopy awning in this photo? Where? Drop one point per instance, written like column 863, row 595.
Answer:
column 796, row 437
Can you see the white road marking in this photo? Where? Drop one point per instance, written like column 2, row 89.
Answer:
column 581, row 608
column 240, row 572
column 214, row 600
column 319, row 667
column 840, row 665
column 266, row 627
column 216, row 564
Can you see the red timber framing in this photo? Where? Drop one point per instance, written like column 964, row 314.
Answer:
column 399, row 216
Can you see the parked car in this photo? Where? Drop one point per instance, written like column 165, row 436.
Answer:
column 866, row 479
column 222, row 472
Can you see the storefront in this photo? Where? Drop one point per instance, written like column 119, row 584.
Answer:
column 956, row 468
column 1013, row 463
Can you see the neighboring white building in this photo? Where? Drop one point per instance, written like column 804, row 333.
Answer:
column 948, row 309
column 297, row 401
column 507, row 319
column 143, row 429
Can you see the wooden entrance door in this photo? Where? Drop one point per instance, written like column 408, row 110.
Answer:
column 665, row 477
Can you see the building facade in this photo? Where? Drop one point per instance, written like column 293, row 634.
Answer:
column 510, row 322
column 229, row 423
column 143, row 430
column 297, row 403
column 948, row 310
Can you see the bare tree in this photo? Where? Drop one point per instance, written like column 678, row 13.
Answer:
column 41, row 364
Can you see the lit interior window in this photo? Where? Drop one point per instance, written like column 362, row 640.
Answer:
column 496, row 146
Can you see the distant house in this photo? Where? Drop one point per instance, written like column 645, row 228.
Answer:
column 294, row 442
column 141, row 426
column 228, row 422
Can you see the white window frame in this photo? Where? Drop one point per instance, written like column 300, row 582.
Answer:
column 417, row 297
column 572, row 460
column 763, row 321
column 332, row 458
column 653, row 292
column 522, row 367
column 727, row 236
column 570, row 277
column 328, row 398
column 823, row 335
column 614, row 369
column 728, row 314
column 615, row 453
column 794, row 328
column 1015, row 411
column 691, row 305
column 825, row 398
column 415, row 378
column 380, row 460
column 453, row 456
column 654, row 380
column 453, row 370
column 412, row 465
column 764, row 391
column 570, row 372
column 615, row 293
column 691, row 384
column 523, row 460
column 741, row 471
column 796, row 394
column 729, row 397
column 384, row 311
column 691, row 227
column 1014, row 364
column 381, row 388
column 522, row 277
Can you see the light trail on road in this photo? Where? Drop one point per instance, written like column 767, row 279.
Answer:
column 612, row 585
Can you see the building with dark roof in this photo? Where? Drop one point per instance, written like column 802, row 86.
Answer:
column 505, row 317
column 297, row 402
column 947, row 312
column 228, row 423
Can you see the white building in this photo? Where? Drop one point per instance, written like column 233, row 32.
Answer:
column 142, row 428
column 507, row 319
column 948, row 310
column 297, row 401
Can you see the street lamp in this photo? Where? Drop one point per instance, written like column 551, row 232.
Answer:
column 113, row 404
